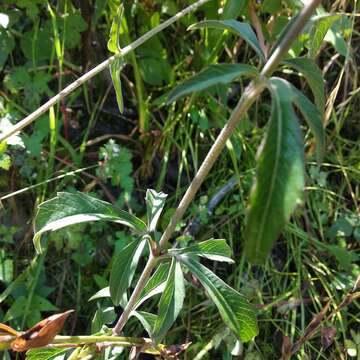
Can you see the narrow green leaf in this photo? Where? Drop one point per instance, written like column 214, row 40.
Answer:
column 154, row 204
column 147, row 320
column 44, row 354
column 280, row 176
column 114, row 36
column 123, row 269
column 244, row 30
column 213, row 249
column 211, row 76
column 233, row 307
column 171, row 301
column 321, row 25
column 155, row 285
column 115, row 71
column 314, row 119
column 313, row 76
column 74, row 208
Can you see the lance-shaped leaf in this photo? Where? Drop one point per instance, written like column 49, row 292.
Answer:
column 171, row 301
column 115, row 72
column 313, row 76
column 114, row 36
column 154, row 204
column 235, row 310
column 211, row 76
column 213, row 249
column 321, row 25
column 74, row 208
column 244, row 30
column 155, row 285
column 314, row 119
column 280, row 176
column 147, row 320
column 123, row 269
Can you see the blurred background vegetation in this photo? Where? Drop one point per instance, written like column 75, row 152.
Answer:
column 85, row 144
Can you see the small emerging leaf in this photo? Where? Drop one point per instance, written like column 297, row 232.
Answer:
column 123, row 269
column 115, row 71
column 234, row 309
column 244, row 30
column 211, row 76
column 214, row 249
column 74, row 208
column 280, row 176
column 154, row 204
column 171, row 301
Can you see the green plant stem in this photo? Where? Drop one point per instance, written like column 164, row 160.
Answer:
column 62, row 341
column 252, row 91
column 102, row 66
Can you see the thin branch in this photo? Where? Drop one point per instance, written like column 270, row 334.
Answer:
column 252, row 91
column 104, row 65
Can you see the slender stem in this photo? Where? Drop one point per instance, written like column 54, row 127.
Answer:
column 252, row 91
column 102, row 66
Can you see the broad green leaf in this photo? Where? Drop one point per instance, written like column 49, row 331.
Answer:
column 211, row 76
column 280, row 176
column 123, row 269
column 314, row 77
column 314, row 119
column 114, row 36
column 233, row 307
column 115, row 71
column 44, row 354
column 321, row 25
column 171, row 301
column 155, row 285
column 74, row 208
column 213, row 249
column 154, row 204
column 103, row 293
column 244, row 30
column 147, row 320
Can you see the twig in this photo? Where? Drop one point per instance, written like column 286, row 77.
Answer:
column 104, row 65
column 252, row 91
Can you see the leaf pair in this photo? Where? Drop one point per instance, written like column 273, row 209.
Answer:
column 236, row 312
column 40, row 335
